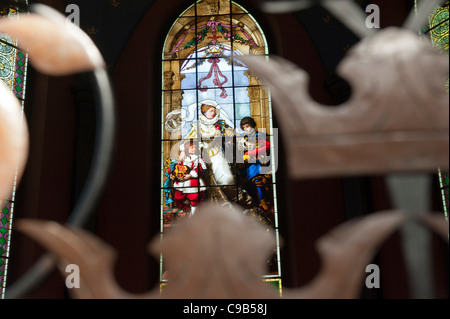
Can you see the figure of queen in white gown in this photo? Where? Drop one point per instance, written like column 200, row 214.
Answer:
column 212, row 127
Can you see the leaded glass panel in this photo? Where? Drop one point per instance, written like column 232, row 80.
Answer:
column 13, row 68
column 218, row 141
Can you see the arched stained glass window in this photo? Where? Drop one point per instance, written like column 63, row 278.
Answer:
column 13, row 68
column 437, row 32
column 218, row 141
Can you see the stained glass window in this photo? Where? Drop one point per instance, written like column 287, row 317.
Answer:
column 218, row 141
column 437, row 32
column 13, row 68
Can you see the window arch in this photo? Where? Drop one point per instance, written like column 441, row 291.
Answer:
column 210, row 103
column 13, row 69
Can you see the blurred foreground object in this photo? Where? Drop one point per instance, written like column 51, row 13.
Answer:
column 13, row 141
column 57, row 47
column 397, row 119
column 220, row 254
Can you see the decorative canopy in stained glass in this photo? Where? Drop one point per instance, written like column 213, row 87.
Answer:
column 218, row 141
column 13, row 68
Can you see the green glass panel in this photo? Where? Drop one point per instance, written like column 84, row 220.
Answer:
column 2, row 274
column 13, row 65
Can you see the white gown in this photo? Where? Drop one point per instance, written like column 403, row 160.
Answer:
column 211, row 149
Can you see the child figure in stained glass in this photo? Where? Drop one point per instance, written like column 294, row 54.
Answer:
column 211, row 127
column 189, row 186
column 256, row 149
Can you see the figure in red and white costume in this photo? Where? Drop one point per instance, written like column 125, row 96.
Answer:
column 190, row 186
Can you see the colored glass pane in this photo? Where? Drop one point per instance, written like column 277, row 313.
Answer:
column 206, row 97
column 438, row 28
column 444, row 181
column 13, row 70
column 2, row 267
column 275, row 284
column 437, row 31
column 4, row 226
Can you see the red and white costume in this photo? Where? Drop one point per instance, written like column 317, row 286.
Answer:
column 193, row 188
